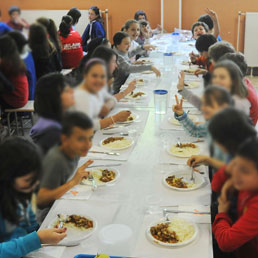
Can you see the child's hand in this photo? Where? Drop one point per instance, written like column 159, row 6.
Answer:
column 178, row 108
column 193, row 57
column 131, row 87
column 122, row 116
column 138, row 62
column 156, row 71
column 200, row 71
column 212, row 14
column 81, row 173
column 181, row 81
column 149, row 47
column 104, row 111
column 224, row 205
column 51, row 236
column 198, row 160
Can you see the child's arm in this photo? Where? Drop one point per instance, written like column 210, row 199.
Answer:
column 215, row 19
column 20, row 247
column 192, row 129
column 218, row 180
column 100, row 32
column 47, row 196
column 231, row 237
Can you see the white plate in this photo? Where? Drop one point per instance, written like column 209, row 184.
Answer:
column 148, row 72
column 75, row 236
column 185, row 154
column 192, row 84
column 135, row 117
column 137, row 98
column 130, row 139
column 173, row 121
column 96, row 173
column 155, row 241
column 199, row 180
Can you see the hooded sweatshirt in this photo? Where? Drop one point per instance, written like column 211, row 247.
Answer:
column 46, row 133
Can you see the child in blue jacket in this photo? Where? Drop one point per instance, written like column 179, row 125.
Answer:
column 94, row 29
column 20, row 166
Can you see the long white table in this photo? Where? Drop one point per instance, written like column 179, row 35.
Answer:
column 127, row 200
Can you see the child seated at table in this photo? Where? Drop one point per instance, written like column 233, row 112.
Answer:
column 214, row 100
column 198, row 29
column 239, row 59
column 145, row 33
column 122, row 43
column 228, row 129
column 61, row 161
column 92, row 97
column 132, row 28
column 20, row 168
column 202, row 44
column 236, row 225
column 211, row 19
column 16, row 22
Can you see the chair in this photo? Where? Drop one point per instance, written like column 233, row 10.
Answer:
column 29, row 107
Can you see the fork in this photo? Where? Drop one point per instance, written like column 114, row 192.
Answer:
column 179, row 142
column 122, row 134
column 192, row 175
column 94, row 185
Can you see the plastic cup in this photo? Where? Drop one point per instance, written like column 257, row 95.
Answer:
column 160, row 101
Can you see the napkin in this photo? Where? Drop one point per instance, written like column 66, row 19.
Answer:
column 79, row 192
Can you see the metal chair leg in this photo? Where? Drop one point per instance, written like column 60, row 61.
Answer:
column 9, row 124
column 22, row 129
column 16, row 123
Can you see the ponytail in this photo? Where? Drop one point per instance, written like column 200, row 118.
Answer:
column 65, row 26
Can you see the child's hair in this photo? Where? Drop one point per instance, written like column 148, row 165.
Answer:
column 11, row 64
column 248, row 149
column 204, row 25
column 19, row 157
column 207, row 20
column 219, row 94
column 65, row 26
column 204, row 42
column 129, row 23
column 118, row 37
column 48, row 92
column 219, row 49
column 75, row 119
column 92, row 62
column 239, row 59
column 231, row 127
column 238, row 86
column 105, row 54
column 19, row 39
column 139, row 13
column 97, row 12
column 50, row 26
column 14, row 9
column 75, row 14
column 39, row 41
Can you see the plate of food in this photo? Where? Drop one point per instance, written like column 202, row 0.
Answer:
column 180, row 181
column 173, row 233
column 117, row 142
column 136, row 95
column 192, row 84
column 146, row 61
column 132, row 118
column 184, row 150
column 79, row 227
column 140, row 82
column 102, row 176
column 190, row 71
column 174, row 121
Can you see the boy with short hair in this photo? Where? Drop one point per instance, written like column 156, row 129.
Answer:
column 61, row 161
column 199, row 28
column 16, row 22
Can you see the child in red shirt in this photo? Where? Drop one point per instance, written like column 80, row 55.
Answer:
column 240, row 236
column 72, row 52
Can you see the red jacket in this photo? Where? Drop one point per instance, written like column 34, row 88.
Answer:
column 204, row 62
column 253, row 99
column 72, row 50
column 241, row 236
column 20, row 95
